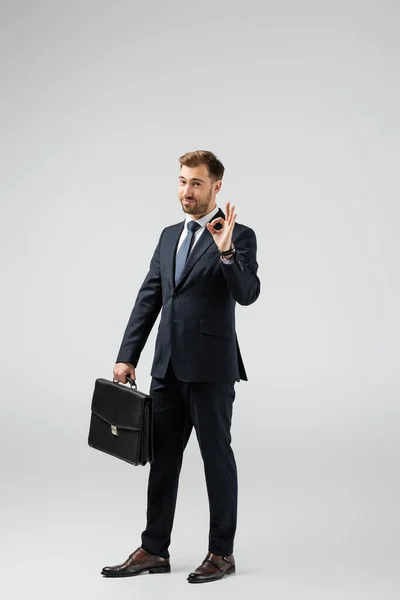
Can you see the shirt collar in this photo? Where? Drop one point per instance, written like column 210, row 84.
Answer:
column 204, row 220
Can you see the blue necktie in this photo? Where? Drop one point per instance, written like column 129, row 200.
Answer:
column 184, row 250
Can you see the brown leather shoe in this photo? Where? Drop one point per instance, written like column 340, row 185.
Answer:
column 212, row 568
column 138, row 562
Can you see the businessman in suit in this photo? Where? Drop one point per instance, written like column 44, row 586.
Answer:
column 200, row 268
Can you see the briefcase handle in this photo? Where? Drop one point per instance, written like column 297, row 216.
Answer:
column 132, row 382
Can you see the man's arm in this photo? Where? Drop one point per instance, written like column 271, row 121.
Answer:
column 241, row 271
column 144, row 313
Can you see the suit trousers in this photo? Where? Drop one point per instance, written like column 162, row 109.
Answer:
column 178, row 407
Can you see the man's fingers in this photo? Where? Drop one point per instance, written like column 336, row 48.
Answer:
column 210, row 226
column 231, row 215
column 230, row 212
column 122, row 376
column 230, row 218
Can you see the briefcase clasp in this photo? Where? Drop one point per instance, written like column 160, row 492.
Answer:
column 114, row 430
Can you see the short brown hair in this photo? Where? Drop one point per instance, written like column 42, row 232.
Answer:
column 204, row 157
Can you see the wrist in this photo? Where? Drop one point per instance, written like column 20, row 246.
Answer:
column 229, row 252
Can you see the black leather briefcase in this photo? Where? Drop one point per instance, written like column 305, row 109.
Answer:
column 121, row 422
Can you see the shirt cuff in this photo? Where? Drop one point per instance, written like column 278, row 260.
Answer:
column 227, row 261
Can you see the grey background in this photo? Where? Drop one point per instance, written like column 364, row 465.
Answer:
column 300, row 101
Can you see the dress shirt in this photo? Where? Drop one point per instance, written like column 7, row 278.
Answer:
column 202, row 222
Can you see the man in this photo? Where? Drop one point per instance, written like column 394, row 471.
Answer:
column 200, row 268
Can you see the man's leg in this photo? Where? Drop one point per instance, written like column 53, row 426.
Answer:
column 210, row 407
column 172, row 428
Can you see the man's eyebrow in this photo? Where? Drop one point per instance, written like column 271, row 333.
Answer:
column 192, row 179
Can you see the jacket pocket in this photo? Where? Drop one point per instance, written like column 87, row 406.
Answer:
column 211, row 328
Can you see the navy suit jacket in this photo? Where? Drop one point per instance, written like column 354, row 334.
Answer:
column 197, row 325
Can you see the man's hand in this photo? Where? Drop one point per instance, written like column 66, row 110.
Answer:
column 121, row 370
column 223, row 237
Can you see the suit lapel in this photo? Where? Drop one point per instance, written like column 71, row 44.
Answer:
column 202, row 244
column 172, row 243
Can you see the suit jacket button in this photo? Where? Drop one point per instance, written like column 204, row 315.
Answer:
column 175, row 295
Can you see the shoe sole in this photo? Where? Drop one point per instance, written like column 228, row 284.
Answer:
column 152, row 571
column 231, row 571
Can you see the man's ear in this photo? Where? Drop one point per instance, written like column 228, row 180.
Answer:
column 217, row 185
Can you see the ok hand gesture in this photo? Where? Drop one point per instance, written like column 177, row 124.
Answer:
column 223, row 237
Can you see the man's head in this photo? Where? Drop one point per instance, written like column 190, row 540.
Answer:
column 200, row 180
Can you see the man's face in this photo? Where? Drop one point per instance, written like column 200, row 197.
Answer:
column 197, row 191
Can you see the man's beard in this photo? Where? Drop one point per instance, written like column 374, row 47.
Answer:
column 199, row 207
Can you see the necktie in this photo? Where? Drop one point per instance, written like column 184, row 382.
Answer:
column 184, row 250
